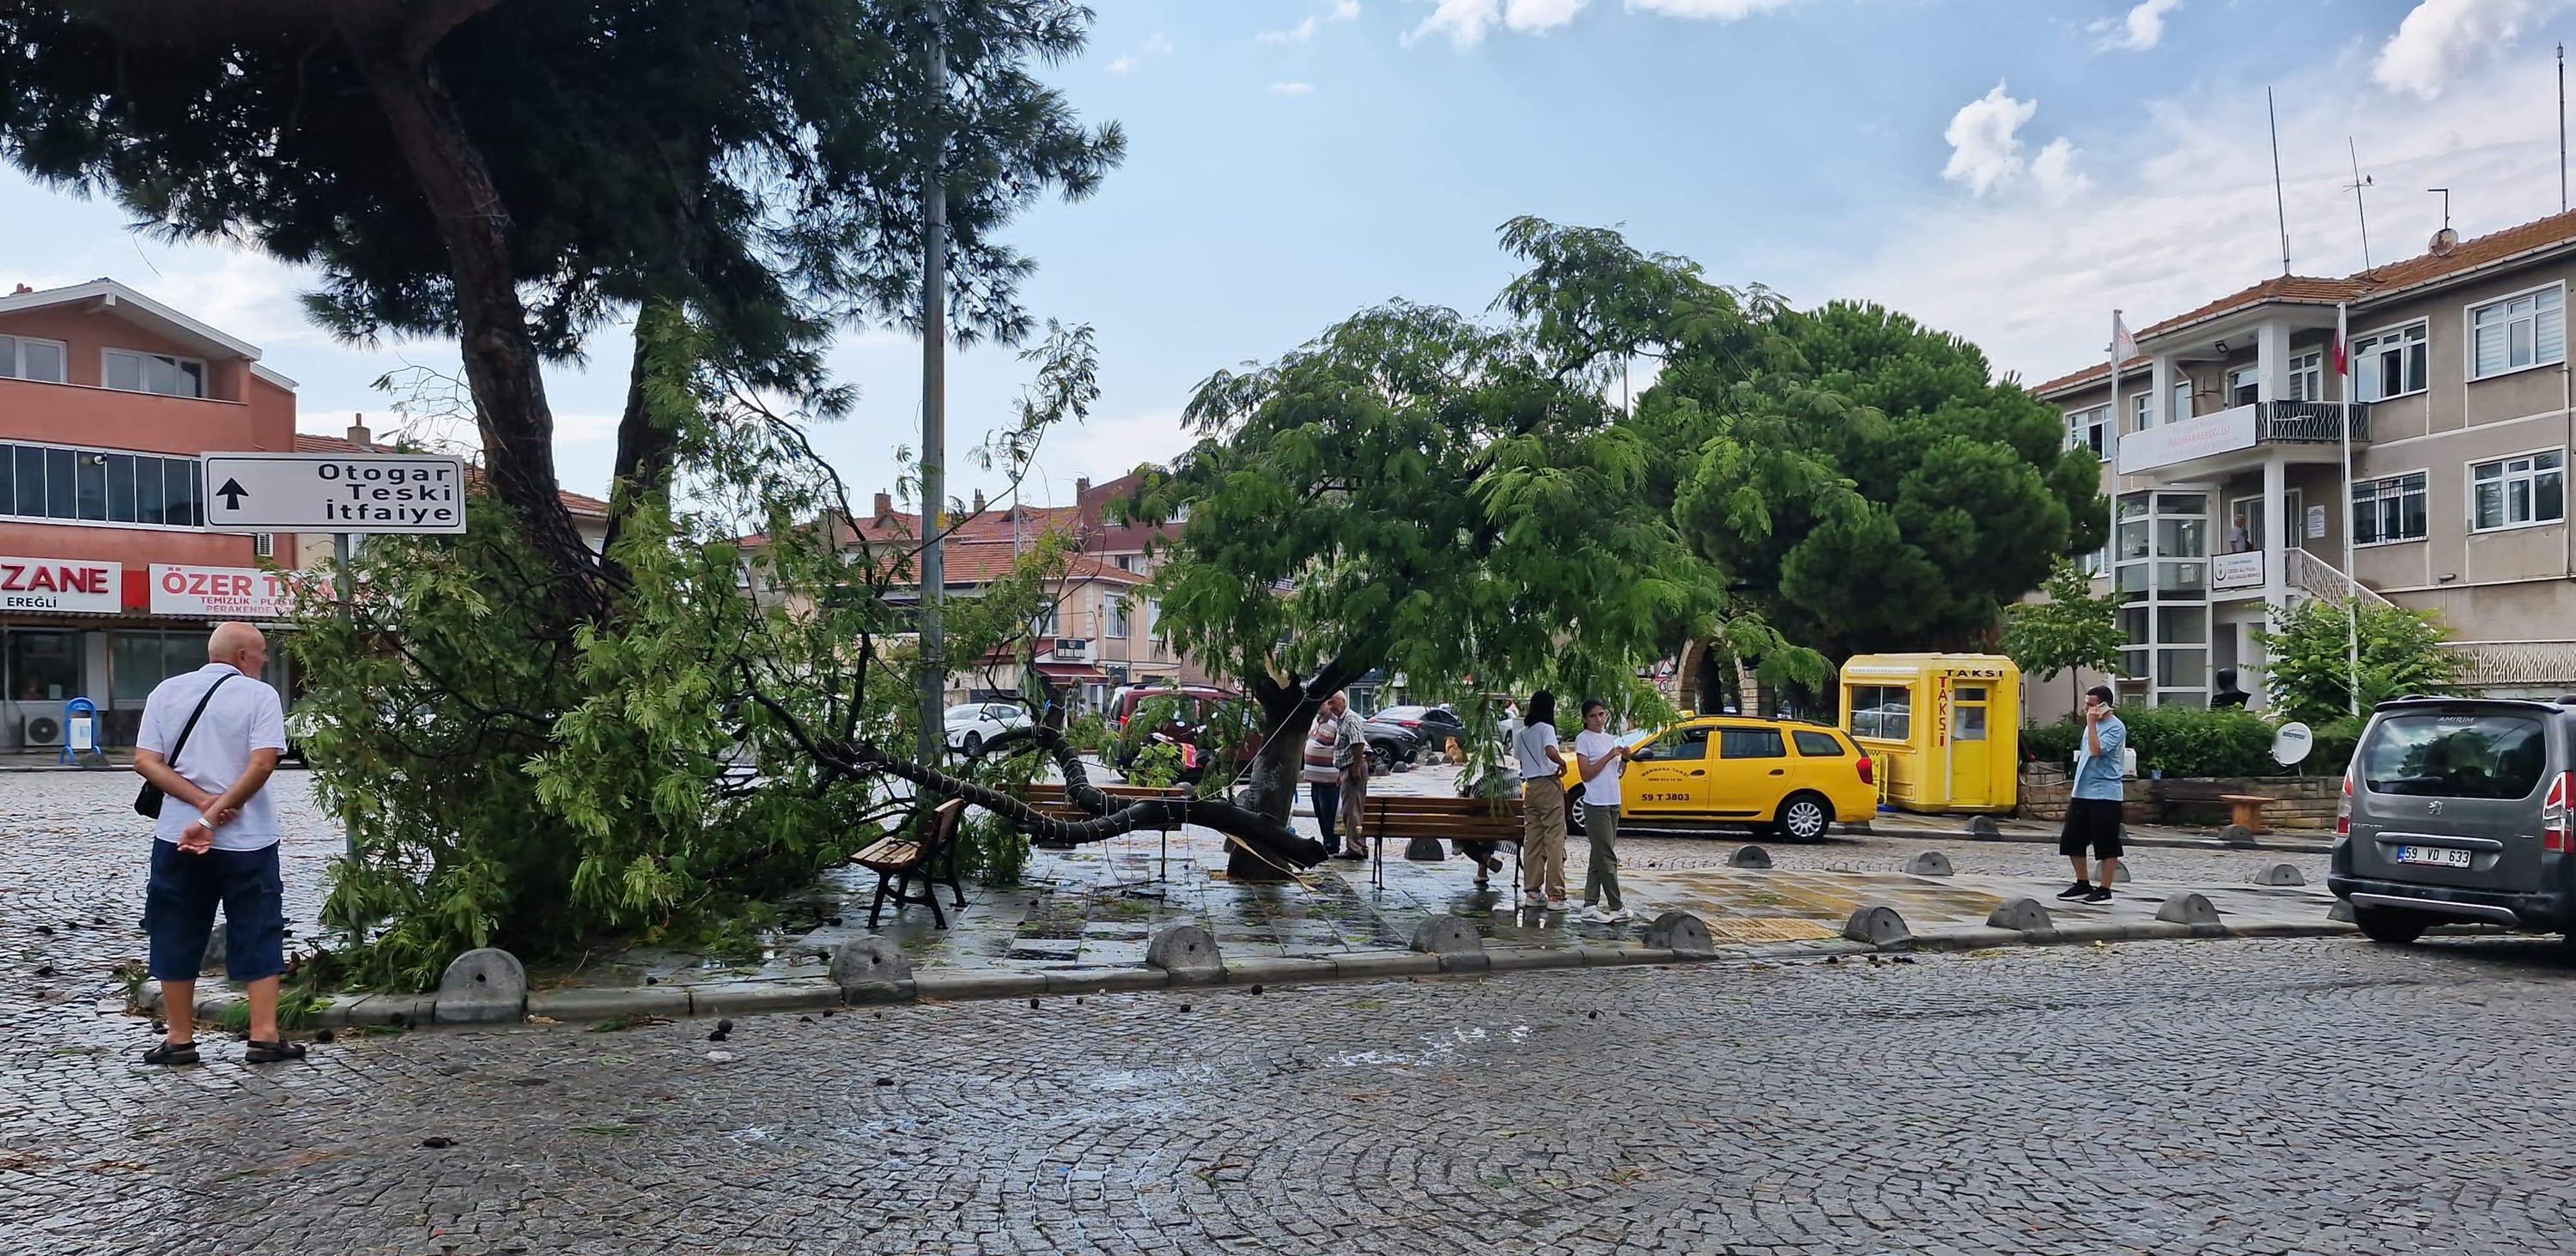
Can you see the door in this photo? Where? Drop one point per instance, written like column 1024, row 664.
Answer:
column 1751, row 773
column 1669, row 775
column 2450, row 794
column 1971, row 763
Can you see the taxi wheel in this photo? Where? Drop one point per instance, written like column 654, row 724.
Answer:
column 1804, row 818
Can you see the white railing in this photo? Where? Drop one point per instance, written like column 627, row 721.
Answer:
column 2498, row 663
column 2320, row 579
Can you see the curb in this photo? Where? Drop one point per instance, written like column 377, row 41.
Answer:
column 735, row 998
column 2159, row 843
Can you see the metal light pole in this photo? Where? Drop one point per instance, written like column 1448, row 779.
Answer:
column 934, row 400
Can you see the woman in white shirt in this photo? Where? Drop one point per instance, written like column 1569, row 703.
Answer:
column 1542, row 769
column 1598, row 759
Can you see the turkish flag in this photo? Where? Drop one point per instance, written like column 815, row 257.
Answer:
column 2334, row 347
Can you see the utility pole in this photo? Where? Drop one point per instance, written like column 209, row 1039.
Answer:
column 934, row 397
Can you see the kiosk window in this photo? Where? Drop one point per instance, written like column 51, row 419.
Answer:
column 1883, row 712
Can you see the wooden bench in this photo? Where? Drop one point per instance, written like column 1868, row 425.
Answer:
column 1471, row 826
column 2246, row 810
column 1052, row 802
column 900, row 861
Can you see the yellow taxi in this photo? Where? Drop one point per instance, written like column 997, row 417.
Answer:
column 1784, row 778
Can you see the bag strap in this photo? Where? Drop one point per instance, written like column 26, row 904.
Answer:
column 194, row 716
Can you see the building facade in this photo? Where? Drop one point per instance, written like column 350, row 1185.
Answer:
column 2225, row 459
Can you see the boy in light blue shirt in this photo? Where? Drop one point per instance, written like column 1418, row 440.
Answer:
column 2093, row 809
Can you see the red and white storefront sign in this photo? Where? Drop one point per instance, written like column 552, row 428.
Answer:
column 77, row 585
column 191, row 591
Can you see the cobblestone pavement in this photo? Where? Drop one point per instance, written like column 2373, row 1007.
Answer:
column 2321, row 1096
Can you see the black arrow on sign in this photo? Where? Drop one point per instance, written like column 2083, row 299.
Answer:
column 232, row 492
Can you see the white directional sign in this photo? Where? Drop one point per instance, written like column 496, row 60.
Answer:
column 335, row 493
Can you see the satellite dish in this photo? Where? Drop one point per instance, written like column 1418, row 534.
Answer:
column 2292, row 743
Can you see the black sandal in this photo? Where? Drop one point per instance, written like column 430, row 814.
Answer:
column 272, row 1052
column 172, row 1053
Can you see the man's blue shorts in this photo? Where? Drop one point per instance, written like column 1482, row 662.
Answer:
column 179, row 911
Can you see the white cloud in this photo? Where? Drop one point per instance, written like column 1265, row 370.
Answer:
column 2142, row 29
column 1710, row 10
column 1467, row 22
column 1122, row 65
column 1985, row 140
column 1346, row 10
column 2181, row 213
column 1159, row 44
column 1297, row 34
column 2053, row 172
column 1292, row 89
column 2442, row 40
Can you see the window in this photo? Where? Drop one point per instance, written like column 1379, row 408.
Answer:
column 1153, row 614
column 2491, row 756
column 2244, row 525
column 1044, row 624
column 2181, row 402
column 44, row 666
column 2090, row 429
column 2245, row 385
column 24, row 357
column 1751, row 743
column 1818, row 745
column 98, row 485
column 2308, row 376
column 2389, row 364
column 1117, row 618
column 1690, row 744
column 1883, row 712
column 1126, row 562
column 2518, row 492
column 161, row 373
column 264, row 545
column 2388, row 510
column 2516, row 332
column 2142, row 411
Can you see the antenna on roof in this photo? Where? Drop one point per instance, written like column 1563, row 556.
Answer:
column 2359, row 181
column 2280, row 204
column 2562, row 128
column 2444, row 239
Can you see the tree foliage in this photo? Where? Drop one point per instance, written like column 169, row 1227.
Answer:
column 2310, row 677
column 2071, row 631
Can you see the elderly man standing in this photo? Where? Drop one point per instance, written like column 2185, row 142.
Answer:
column 1350, row 758
column 209, row 740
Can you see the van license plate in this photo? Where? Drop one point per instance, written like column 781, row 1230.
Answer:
column 2440, row 856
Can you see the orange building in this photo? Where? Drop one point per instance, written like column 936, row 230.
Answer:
column 108, row 577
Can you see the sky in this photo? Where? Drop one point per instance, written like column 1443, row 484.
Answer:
column 2007, row 170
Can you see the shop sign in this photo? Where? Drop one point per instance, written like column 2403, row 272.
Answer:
column 75, row 585
column 189, row 591
column 2236, row 571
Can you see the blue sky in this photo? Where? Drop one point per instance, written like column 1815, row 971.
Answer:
column 2006, row 169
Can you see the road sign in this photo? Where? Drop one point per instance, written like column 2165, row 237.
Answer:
column 335, row 493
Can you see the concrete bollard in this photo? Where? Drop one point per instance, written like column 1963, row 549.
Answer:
column 1447, row 935
column 482, row 986
column 1878, row 925
column 2024, row 915
column 1187, row 953
column 1681, row 933
column 870, row 968
column 1984, row 828
column 1930, row 863
column 2120, row 871
column 1749, row 857
column 1429, row 849
column 2279, row 874
column 2187, row 909
column 2341, row 912
column 2237, row 835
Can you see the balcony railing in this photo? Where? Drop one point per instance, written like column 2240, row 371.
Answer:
column 2495, row 664
column 2311, row 422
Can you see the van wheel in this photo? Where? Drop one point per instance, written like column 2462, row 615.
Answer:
column 1804, row 818
column 2393, row 928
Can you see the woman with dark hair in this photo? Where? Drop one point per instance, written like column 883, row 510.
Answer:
column 1542, row 770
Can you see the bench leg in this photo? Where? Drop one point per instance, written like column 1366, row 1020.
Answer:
column 930, row 896
column 877, row 908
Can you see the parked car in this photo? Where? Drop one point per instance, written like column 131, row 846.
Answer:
column 1782, row 778
column 1193, row 707
column 1424, row 727
column 972, row 724
column 2460, row 810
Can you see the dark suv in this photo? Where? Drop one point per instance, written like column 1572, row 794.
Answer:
column 2457, row 810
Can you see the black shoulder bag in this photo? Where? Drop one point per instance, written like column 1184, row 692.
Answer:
column 148, row 801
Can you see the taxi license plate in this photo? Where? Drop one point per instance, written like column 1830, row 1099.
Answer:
column 2438, row 856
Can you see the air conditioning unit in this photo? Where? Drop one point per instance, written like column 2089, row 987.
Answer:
column 1070, row 650
column 41, row 730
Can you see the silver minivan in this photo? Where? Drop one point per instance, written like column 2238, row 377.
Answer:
column 2457, row 810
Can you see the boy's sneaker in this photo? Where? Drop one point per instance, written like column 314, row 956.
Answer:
column 2100, row 894
column 2078, row 890
column 1534, row 896
column 1596, row 916
column 1558, row 904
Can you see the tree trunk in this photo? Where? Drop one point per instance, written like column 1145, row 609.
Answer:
column 642, row 473
column 500, row 356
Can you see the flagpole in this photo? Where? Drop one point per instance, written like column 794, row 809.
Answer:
column 2352, row 583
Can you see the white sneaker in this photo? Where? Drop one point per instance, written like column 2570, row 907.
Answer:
column 1596, row 916
column 1620, row 915
column 1558, row 904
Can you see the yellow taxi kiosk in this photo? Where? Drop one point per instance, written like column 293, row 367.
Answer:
column 1944, row 728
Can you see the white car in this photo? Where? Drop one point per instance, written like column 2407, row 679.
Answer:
column 975, row 723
